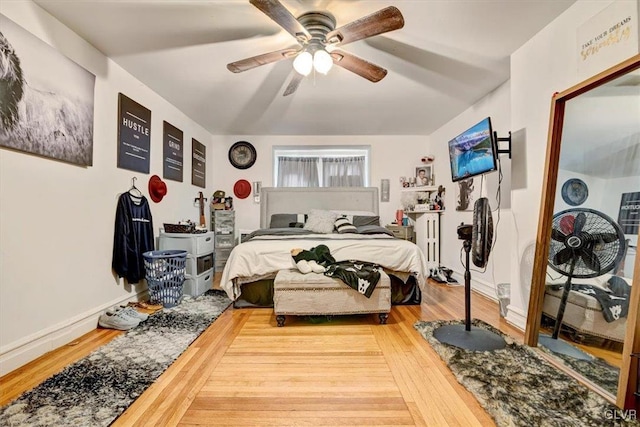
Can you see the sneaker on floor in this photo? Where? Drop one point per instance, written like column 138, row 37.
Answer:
column 117, row 320
column 133, row 313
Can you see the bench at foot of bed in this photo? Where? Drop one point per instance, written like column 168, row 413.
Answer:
column 311, row 294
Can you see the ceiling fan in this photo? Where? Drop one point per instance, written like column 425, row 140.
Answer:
column 318, row 39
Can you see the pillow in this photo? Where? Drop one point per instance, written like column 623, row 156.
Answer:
column 343, row 226
column 360, row 220
column 320, row 221
column 283, row 220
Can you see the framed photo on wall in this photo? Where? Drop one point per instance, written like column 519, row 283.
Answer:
column 424, row 175
column 46, row 99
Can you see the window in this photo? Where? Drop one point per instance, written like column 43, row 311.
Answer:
column 320, row 166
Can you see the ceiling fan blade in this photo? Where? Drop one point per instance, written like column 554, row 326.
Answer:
column 358, row 65
column 265, row 58
column 382, row 21
column 293, row 84
column 281, row 15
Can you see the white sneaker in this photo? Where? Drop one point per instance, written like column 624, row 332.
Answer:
column 133, row 313
column 117, row 320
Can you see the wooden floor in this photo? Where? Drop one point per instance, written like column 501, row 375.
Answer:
column 244, row 370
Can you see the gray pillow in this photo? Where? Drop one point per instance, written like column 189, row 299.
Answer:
column 283, row 220
column 359, row 220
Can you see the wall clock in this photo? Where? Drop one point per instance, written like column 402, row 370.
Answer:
column 242, row 155
column 574, row 192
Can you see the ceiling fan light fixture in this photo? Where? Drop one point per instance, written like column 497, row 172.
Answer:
column 303, row 63
column 322, row 61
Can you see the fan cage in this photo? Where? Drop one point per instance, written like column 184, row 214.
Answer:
column 609, row 254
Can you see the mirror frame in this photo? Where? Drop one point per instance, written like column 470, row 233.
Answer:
column 628, row 382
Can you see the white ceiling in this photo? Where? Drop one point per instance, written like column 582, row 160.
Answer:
column 449, row 54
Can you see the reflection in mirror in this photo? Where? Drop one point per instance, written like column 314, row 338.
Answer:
column 594, row 231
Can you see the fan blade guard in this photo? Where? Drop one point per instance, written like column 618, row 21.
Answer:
column 482, row 233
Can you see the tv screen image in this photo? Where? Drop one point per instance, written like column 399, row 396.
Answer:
column 473, row 152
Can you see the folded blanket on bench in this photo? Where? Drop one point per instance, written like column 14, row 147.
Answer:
column 361, row 276
column 614, row 304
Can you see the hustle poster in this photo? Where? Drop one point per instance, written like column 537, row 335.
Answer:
column 134, row 135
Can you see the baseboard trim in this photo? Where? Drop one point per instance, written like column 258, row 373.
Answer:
column 23, row 351
column 485, row 288
column 516, row 317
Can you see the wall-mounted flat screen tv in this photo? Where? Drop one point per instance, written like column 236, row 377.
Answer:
column 473, row 152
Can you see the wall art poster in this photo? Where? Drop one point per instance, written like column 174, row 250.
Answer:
column 173, row 153
column 134, row 135
column 629, row 214
column 198, row 163
column 466, row 194
column 46, row 99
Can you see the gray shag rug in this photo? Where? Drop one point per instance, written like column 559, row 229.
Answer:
column 518, row 387
column 98, row 388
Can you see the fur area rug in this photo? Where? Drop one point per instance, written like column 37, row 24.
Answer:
column 596, row 370
column 519, row 388
column 98, row 388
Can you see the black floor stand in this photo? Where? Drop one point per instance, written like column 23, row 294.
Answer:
column 465, row 336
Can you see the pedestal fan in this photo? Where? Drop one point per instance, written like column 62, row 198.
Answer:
column 584, row 243
column 477, row 240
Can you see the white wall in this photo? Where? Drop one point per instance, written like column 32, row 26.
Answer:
column 57, row 219
column 391, row 158
column 496, row 106
column 546, row 64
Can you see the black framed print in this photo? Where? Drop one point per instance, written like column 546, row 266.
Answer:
column 134, row 135
column 629, row 213
column 198, row 163
column 173, row 152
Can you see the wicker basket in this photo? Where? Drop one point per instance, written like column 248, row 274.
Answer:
column 179, row 228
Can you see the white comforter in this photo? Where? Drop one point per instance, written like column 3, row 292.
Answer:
column 265, row 255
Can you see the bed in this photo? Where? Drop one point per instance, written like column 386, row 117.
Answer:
column 253, row 264
column 584, row 313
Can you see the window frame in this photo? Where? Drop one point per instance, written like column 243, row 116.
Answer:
column 322, row 151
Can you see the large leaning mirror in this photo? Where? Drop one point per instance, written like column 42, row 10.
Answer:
column 585, row 292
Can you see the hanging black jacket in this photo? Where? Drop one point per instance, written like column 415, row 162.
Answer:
column 132, row 237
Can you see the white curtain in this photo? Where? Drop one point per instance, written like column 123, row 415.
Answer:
column 298, row 172
column 343, row 171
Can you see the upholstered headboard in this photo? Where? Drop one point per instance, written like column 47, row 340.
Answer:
column 302, row 200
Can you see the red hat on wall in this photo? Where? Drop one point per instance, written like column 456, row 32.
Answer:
column 157, row 188
column 242, row 189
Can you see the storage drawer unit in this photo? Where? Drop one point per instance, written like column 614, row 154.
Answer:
column 199, row 284
column 200, row 258
column 223, row 226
